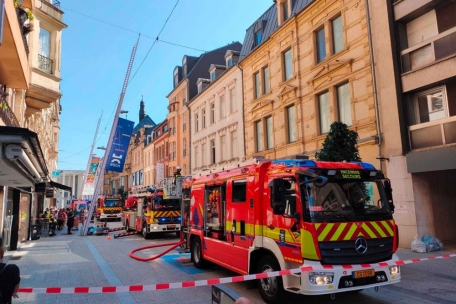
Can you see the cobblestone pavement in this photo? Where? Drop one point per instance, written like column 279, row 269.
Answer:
column 73, row 260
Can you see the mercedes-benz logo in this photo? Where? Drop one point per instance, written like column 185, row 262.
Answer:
column 171, row 219
column 361, row 245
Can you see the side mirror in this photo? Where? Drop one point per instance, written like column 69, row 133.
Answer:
column 278, row 203
column 389, row 194
column 321, row 182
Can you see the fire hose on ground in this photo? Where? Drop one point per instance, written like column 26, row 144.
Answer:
column 174, row 245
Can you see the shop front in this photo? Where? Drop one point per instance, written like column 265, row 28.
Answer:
column 22, row 168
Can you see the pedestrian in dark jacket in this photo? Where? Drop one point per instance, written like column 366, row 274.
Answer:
column 9, row 279
column 70, row 220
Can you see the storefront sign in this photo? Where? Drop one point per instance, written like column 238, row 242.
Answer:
column 118, row 151
column 55, row 173
column 49, row 192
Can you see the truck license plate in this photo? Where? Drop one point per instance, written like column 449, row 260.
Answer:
column 363, row 273
column 112, row 215
column 171, row 226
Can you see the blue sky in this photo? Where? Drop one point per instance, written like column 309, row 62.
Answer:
column 95, row 58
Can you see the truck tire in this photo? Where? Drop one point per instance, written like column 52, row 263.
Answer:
column 145, row 234
column 271, row 289
column 127, row 228
column 197, row 254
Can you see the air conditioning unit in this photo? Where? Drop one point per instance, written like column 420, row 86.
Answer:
column 16, row 154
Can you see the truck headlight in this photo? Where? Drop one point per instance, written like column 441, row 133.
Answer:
column 394, row 270
column 321, row 278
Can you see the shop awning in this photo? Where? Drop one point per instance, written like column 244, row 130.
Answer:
column 53, row 184
column 22, row 162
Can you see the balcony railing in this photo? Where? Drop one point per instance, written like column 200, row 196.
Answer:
column 45, row 64
column 436, row 133
column 56, row 3
column 6, row 114
column 429, row 51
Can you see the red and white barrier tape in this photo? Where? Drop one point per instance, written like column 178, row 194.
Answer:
column 116, row 229
column 125, row 234
column 162, row 286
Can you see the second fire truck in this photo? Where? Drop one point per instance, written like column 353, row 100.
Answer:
column 109, row 207
column 157, row 209
column 286, row 214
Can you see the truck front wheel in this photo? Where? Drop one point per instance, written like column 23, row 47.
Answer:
column 197, row 254
column 271, row 289
column 145, row 233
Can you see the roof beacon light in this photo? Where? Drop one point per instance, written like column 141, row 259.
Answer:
column 365, row 165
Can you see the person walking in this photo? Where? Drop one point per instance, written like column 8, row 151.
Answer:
column 70, row 220
column 61, row 219
column 10, row 279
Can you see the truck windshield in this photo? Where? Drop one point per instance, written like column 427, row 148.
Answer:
column 166, row 204
column 346, row 200
column 112, row 203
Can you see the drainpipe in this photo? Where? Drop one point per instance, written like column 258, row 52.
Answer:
column 374, row 86
column 243, row 117
column 187, row 91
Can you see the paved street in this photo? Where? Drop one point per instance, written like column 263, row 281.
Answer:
column 72, row 260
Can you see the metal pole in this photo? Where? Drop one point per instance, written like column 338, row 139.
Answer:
column 84, row 177
column 374, row 85
column 111, row 138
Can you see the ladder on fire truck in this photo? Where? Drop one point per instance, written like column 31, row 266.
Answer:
column 101, row 168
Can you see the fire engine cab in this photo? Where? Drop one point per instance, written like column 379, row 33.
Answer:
column 157, row 209
column 109, row 207
column 289, row 213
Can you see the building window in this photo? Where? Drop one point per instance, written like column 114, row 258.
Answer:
column 234, row 144
column 213, row 151
column 196, row 122
column 212, row 115
column 203, row 118
column 222, row 147
column 291, row 120
column 429, row 105
column 337, row 35
column 197, row 160
column 323, row 107
column 184, row 97
column 185, row 169
column 212, row 76
column 285, row 11
column 184, row 122
column 203, row 154
column 257, row 85
column 233, row 100
column 44, row 60
column 200, row 87
column 222, row 106
column 176, row 77
column 269, row 133
column 229, row 62
column 259, row 136
column 174, row 150
column 321, row 45
column 265, row 80
column 258, row 36
column 288, row 64
column 184, row 66
column 184, row 145
column 344, row 104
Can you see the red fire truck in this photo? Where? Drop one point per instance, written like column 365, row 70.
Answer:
column 284, row 214
column 157, row 209
column 109, row 207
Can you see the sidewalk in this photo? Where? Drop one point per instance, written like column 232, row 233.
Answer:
column 72, row 260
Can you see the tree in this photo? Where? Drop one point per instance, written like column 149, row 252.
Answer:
column 340, row 144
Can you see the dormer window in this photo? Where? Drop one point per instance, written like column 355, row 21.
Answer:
column 284, row 9
column 176, row 76
column 258, row 36
column 229, row 62
column 213, row 76
column 184, row 66
column 231, row 58
column 200, row 87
